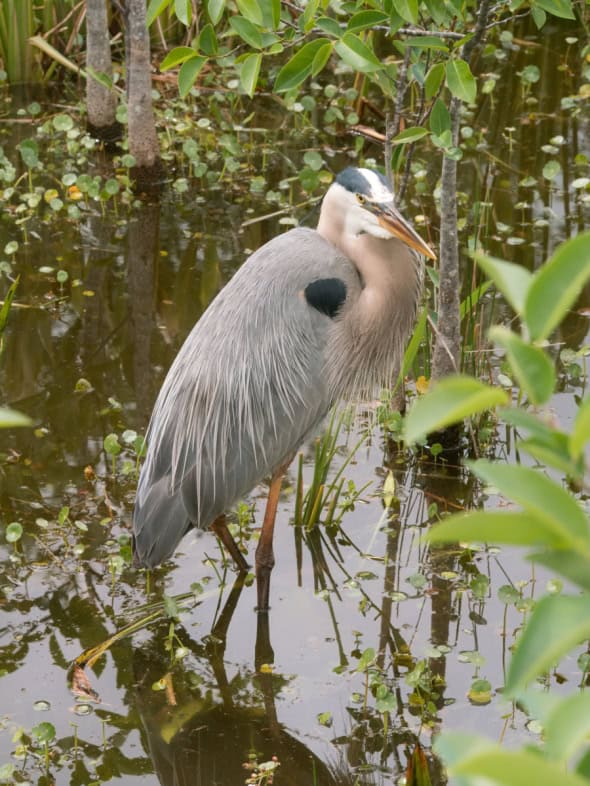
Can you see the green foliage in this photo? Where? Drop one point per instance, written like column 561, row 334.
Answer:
column 550, row 522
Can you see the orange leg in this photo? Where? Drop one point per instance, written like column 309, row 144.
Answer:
column 265, row 559
column 219, row 527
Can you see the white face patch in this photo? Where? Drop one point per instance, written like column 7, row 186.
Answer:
column 379, row 192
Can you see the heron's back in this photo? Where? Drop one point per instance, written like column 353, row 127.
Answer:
column 245, row 388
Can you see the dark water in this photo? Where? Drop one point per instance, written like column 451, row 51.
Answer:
column 137, row 281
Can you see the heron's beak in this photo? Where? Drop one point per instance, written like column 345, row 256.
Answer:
column 393, row 221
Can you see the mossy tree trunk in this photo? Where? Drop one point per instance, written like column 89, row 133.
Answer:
column 101, row 102
column 141, row 129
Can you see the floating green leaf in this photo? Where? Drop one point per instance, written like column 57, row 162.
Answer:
column 551, row 170
column 461, row 81
column 449, row 401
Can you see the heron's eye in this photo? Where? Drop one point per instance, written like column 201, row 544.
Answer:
column 360, row 199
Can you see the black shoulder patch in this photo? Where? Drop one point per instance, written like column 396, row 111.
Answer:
column 326, row 295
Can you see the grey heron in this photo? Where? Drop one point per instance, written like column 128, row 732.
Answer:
column 312, row 317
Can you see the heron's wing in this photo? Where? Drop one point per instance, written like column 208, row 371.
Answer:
column 246, row 387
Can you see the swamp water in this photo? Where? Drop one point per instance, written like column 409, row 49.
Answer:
column 104, row 301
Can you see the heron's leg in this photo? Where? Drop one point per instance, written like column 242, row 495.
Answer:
column 219, row 527
column 265, row 559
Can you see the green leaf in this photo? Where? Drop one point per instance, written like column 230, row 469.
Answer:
column 514, row 768
column 247, row 31
column 449, row 401
column 366, row 19
column 251, row 10
column 556, row 286
column 321, row 57
column 580, row 433
column 183, row 10
column 176, row 56
column 570, row 564
column 10, row 418
column 551, row 170
column 249, row 71
column 299, row 67
column 155, row 8
column 329, row 26
column 531, row 366
column 539, row 495
column 426, row 42
column 14, row 532
column 515, row 529
column 357, row 54
column 208, row 41
column 546, row 443
column 215, row 10
column 407, row 9
column 557, row 624
column 307, row 19
column 271, row 13
column 567, row 727
column 561, row 8
column 409, row 135
column 513, row 281
column 434, row 79
column 440, row 119
column 461, row 81
column 188, row 74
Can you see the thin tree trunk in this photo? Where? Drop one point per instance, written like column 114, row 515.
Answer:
column 143, row 141
column 447, row 346
column 101, row 102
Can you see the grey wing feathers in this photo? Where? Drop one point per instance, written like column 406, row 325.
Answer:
column 242, row 393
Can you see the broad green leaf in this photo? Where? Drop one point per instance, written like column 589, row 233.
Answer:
column 249, row 71
column 434, row 79
column 298, row 68
column 426, row 42
column 556, row 286
column 553, row 454
column 321, row 57
column 440, row 119
column 557, row 624
column 155, row 8
column 449, row 401
column 357, row 54
column 247, row 31
column 188, row 74
column 572, row 565
column 329, row 26
column 271, row 13
column 208, row 41
column 409, row 135
column 10, row 418
column 539, row 17
column 183, row 10
column 177, row 56
column 514, row 768
column 561, row 8
column 513, row 281
column 540, row 496
column 251, row 10
column 515, row 529
column 568, row 726
column 460, row 80
column 531, row 366
column 215, row 10
column 366, row 19
column 580, row 433
column 407, row 9
column 308, row 17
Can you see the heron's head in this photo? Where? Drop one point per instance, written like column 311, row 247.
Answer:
column 366, row 201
